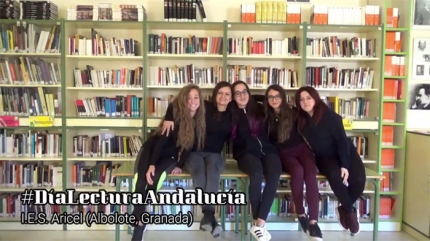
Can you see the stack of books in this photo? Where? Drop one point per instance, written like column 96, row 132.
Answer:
column 45, row 10
column 9, row 9
column 130, row 12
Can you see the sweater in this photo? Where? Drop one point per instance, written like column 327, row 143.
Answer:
column 165, row 146
column 217, row 130
column 328, row 138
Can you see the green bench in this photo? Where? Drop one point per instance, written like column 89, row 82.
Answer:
column 231, row 172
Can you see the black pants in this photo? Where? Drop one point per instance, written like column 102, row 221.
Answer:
column 205, row 168
column 257, row 168
column 347, row 196
column 165, row 164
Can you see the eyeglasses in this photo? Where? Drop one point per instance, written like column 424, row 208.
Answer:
column 272, row 98
column 238, row 93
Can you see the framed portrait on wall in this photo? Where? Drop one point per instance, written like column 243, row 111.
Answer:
column 420, row 97
column 421, row 59
column 421, row 14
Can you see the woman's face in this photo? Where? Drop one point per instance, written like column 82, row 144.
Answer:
column 241, row 95
column 307, row 103
column 193, row 100
column 223, row 96
column 274, row 99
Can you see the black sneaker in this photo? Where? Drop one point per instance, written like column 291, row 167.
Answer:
column 315, row 232
column 138, row 232
column 206, row 222
column 304, row 222
column 216, row 228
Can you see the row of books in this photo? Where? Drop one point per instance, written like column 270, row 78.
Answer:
column 281, row 12
column 106, row 145
column 29, row 102
column 29, row 71
column 97, row 45
column 333, row 46
column 269, row 46
column 25, row 37
column 107, row 12
column 13, row 9
column 16, row 175
column 38, row 144
column 102, row 106
column 108, row 78
column 183, row 10
column 354, row 108
column 332, row 77
column 163, row 44
column 366, row 15
column 395, row 66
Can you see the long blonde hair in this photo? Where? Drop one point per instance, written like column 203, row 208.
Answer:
column 190, row 128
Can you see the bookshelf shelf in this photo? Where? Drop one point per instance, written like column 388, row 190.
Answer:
column 232, row 56
column 341, row 58
column 265, row 27
column 395, row 53
column 182, row 56
column 88, row 57
column 121, row 159
column 104, row 122
column 205, row 26
column 330, row 28
column 345, row 90
column 29, row 86
column 85, row 24
column 35, row 159
column 106, row 89
column 42, row 55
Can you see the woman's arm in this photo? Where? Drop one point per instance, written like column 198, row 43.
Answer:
column 168, row 123
column 182, row 158
column 338, row 132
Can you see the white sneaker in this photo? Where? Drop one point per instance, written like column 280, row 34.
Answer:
column 267, row 234
column 259, row 233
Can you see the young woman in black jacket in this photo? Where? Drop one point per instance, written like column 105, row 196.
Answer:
column 296, row 157
column 168, row 153
column 205, row 165
column 255, row 155
column 336, row 156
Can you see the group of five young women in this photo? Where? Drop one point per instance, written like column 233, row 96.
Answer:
column 267, row 138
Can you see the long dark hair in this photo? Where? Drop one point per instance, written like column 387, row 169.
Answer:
column 319, row 107
column 286, row 114
column 217, row 87
column 253, row 110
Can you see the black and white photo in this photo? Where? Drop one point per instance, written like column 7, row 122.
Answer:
column 420, row 97
column 420, row 70
column 421, row 59
column 422, row 45
column 422, row 14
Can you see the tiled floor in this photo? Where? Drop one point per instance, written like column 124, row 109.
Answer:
column 187, row 236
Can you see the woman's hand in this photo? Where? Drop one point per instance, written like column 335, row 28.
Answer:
column 149, row 174
column 167, row 125
column 344, row 173
column 177, row 170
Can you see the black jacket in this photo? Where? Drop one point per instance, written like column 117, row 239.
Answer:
column 245, row 143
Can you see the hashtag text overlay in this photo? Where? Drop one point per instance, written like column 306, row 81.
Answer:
column 101, row 218
column 103, row 197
